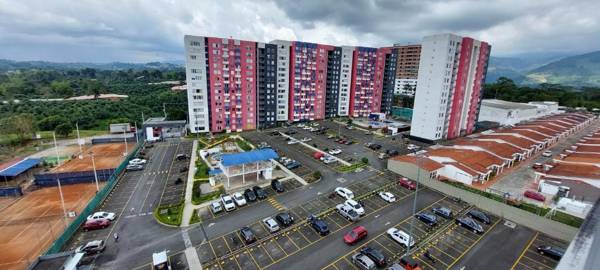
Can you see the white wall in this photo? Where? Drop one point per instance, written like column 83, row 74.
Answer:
column 195, row 73
column 434, row 86
column 283, row 78
column 345, row 80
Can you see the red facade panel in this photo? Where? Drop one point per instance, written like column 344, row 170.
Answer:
column 367, row 81
column 484, row 50
column 459, row 89
column 232, row 84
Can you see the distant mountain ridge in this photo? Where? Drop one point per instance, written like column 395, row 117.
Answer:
column 7, row 65
column 573, row 70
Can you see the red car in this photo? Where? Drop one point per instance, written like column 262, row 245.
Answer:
column 317, row 155
column 96, row 224
column 534, row 195
column 407, row 183
column 355, row 235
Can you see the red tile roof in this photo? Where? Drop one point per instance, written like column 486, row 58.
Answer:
column 423, row 162
column 476, row 160
column 523, row 143
column 501, row 149
column 575, row 170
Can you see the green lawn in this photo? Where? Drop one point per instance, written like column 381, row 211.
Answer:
column 201, row 169
column 195, row 217
column 73, row 135
column 170, row 215
column 198, row 198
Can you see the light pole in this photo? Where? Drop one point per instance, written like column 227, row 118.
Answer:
column 125, row 139
column 95, row 174
column 62, row 199
column 414, row 212
column 79, row 141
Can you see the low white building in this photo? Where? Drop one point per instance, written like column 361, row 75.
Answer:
column 510, row 113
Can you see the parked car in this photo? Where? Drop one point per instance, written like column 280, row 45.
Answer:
column 382, row 156
column 534, row 195
column 131, row 167
column 285, row 219
column 216, row 207
column 355, row 235
column 227, row 202
column 537, row 165
column 271, row 225
column 318, row 155
column 306, row 139
column 137, row 161
column 319, row 225
column 277, row 186
column 375, row 255
column 349, row 127
column 470, row 224
column 363, row 262
column 261, row 194
column 293, row 165
column 375, row 146
column 547, row 154
column 348, row 142
column 347, row 212
column 478, row 215
column 249, row 195
column 181, row 157
column 344, row 193
column 96, row 224
column 92, row 247
column 401, row 237
column 551, row 251
column 427, row 218
column 239, row 199
column 392, row 152
column 335, row 151
column 387, row 196
column 356, row 206
column 102, row 215
column 329, row 159
column 442, row 212
column 293, row 141
column 404, row 182
column 247, row 235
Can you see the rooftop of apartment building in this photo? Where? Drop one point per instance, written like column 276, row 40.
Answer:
column 506, row 105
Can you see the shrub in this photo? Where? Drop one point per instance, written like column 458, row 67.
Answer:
column 243, row 145
column 364, row 160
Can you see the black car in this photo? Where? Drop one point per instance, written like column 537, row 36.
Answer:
column 181, row 157
column 375, row 255
column 292, row 165
column 470, row 224
column 249, row 195
column 319, row 225
column 285, row 219
column 247, row 235
column 480, row 216
column 375, row 146
column 277, row 186
column 429, row 219
column 392, row 153
column 261, row 194
column 290, row 132
column 442, row 212
column 552, row 252
column 274, row 133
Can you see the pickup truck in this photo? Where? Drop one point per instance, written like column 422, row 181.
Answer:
column 347, row 212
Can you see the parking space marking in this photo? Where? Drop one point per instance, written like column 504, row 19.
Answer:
column 475, row 242
column 525, row 250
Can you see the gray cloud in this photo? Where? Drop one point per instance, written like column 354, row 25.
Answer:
column 141, row 31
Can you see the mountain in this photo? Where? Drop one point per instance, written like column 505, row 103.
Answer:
column 516, row 67
column 7, row 65
column 578, row 70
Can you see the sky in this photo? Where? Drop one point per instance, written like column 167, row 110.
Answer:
column 153, row 30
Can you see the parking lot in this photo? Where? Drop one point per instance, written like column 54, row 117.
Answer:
column 531, row 259
column 174, row 188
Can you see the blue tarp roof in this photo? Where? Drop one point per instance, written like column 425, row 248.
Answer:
column 215, row 172
column 20, row 167
column 248, row 157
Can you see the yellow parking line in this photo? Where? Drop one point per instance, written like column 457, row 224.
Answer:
column 291, row 240
column 525, row 250
column 424, row 262
column 225, row 240
column 384, row 247
column 350, row 263
column 254, row 260
column 236, row 261
column 474, row 243
column 539, row 263
column 213, row 250
column 334, row 220
column 442, row 251
column 277, row 243
column 300, row 233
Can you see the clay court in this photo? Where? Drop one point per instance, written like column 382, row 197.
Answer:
column 31, row 223
column 106, row 156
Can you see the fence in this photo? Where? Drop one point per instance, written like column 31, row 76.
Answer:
column 112, row 140
column 50, row 179
column 60, row 242
column 11, row 191
column 402, row 113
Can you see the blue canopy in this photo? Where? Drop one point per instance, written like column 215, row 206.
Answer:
column 20, row 167
column 215, row 172
column 248, row 157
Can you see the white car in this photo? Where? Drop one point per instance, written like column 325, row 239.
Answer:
column 356, row 206
column 271, row 224
column 387, row 196
column 401, row 237
column 547, row 154
column 329, row 159
column 306, row 139
column 239, row 199
column 335, row 151
column 344, row 193
column 216, row 207
column 102, row 215
column 227, row 202
column 137, row 161
column 293, row 141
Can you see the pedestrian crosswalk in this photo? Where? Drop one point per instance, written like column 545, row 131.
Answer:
column 273, row 202
column 157, row 172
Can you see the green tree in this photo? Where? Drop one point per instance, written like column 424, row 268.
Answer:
column 61, row 88
column 94, row 87
column 22, row 125
column 365, row 160
column 50, row 122
column 64, row 129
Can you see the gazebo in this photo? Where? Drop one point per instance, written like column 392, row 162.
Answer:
column 240, row 164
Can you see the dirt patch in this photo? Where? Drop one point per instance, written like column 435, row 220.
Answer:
column 106, row 156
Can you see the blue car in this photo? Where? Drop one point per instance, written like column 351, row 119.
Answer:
column 429, row 219
column 319, row 225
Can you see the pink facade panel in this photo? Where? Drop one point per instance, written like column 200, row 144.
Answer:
column 482, row 61
column 232, row 84
column 308, row 78
column 460, row 85
column 367, row 81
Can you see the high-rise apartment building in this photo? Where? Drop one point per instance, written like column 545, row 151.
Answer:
column 407, row 68
column 197, row 84
column 283, row 78
column 267, row 85
column 452, row 70
column 345, row 80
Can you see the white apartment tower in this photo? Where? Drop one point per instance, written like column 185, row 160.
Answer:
column 283, row 78
column 197, row 92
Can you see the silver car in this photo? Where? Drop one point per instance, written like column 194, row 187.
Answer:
column 216, row 207
column 363, row 262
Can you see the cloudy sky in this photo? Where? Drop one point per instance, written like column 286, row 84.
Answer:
column 152, row 30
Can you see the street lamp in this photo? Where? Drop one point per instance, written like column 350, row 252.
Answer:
column 62, row 199
column 95, row 174
column 414, row 212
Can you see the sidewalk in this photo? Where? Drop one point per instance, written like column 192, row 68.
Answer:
column 188, row 208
